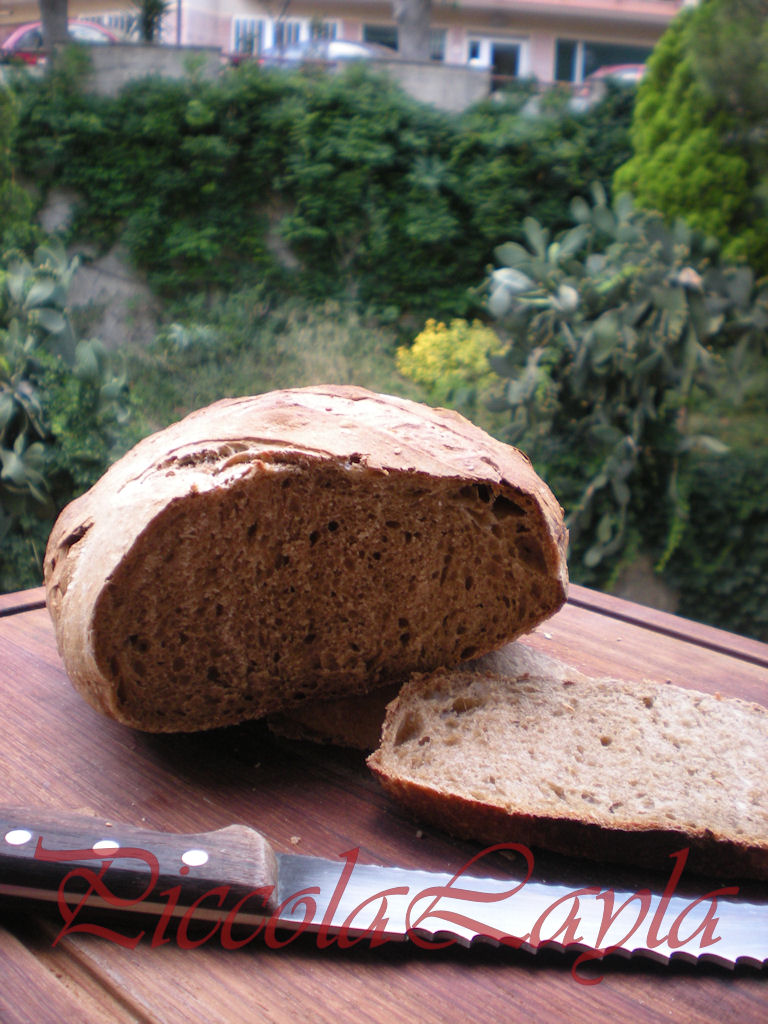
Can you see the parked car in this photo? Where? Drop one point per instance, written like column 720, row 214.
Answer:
column 593, row 88
column 627, row 74
column 324, row 51
column 26, row 42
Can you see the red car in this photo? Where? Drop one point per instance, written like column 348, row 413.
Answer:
column 26, row 42
column 593, row 88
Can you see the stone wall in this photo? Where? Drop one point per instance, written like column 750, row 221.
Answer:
column 114, row 66
column 452, row 87
column 446, row 86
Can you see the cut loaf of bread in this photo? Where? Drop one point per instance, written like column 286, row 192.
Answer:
column 597, row 768
column 310, row 542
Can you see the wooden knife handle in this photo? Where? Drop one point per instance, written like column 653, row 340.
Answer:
column 64, row 857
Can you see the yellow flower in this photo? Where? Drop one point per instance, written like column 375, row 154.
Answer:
column 446, row 358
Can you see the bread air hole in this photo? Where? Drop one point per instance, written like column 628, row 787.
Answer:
column 529, row 551
column 466, row 703
column 409, row 728
column 503, row 508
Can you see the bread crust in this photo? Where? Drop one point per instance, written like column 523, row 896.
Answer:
column 709, row 854
column 214, row 450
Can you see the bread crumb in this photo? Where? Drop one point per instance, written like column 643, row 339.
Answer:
column 295, row 840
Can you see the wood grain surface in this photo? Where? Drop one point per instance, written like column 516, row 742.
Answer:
column 58, row 754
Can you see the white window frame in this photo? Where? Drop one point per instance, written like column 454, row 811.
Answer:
column 438, row 40
column 289, row 31
column 121, row 22
column 267, row 31
column 244, row 28
column 485, row 47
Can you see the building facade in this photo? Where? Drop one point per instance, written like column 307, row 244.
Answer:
column 549, row 40
column 543, row 39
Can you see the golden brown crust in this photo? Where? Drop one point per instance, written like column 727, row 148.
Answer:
column 217, row 449
column 709, row 854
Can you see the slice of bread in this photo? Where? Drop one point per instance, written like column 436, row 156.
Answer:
column 597, row 768
column 304, row 543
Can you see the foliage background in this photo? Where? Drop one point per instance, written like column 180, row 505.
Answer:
column 315, row 183
column 304, row 227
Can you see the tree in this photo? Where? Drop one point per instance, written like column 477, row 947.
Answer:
column 54, row 15
column 413, row 19
column 699, row 127
column 150, row 18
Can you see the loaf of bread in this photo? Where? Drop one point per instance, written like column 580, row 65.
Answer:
column 597, row 768
column 309, row 542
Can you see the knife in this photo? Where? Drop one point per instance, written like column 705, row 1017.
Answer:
column 230, row 887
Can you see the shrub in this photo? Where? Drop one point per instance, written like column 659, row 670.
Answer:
column 721, row 565
column 698, row 132
column 619, row 328
column 16, row 224
column 510, row 165
column 141, row 163
column 450, row 361
column 321, row 185
column 61, row 410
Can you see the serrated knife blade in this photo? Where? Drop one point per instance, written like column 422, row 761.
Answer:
column 229, row 887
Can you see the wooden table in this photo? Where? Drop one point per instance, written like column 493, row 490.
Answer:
column 58, row 754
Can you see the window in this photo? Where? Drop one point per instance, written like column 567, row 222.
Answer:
column 575, row 59
column 383, row 35
column 322, row 29
column 255, row 35
column 247, row 35
column 437, row 44
column 602, row 55
column 287, row 33
column 505, row 60
column 566, row 60
column 121, row 23
column 31, row 40
column 386, row 35
column 505, row 57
